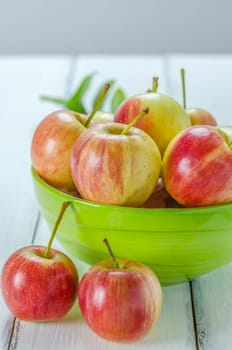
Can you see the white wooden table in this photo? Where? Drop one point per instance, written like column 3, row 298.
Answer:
column 194, row 316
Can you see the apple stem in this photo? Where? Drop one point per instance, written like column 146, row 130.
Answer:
column 134, row 121
column 182, row 72
column 155, row 84
column 77, row 115
column 115, row 263
column 58, row 220
column 97, row 104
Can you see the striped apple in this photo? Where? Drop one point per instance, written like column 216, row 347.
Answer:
column 165, row 119
column 53, row 140
column 197, row 166
column 120, row 303
column 114, row 168
column 51, row 148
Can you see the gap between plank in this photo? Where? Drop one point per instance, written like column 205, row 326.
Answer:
column 198, row 346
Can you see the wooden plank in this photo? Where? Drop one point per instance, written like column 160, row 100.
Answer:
column 174, row 330
column 22, row 80
column 213, row 308
column 208, row 85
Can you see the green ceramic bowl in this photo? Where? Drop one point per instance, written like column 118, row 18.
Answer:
column 178, row 244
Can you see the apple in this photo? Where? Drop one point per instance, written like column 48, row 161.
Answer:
column 197, row 166
column 39, row 283
column 51, row 148
column 120, row 299
column 52, row 143
column 165, row 119
column 198, row 116
column 103, row 117
column 37, row 288
column 99, row 117
column 113, row 163
column 160, row 198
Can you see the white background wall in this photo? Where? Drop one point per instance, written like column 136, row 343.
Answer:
column 115, row 26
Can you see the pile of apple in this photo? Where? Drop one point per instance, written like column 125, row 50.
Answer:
column 122, row 159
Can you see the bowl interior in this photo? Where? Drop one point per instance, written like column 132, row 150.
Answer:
column 179, row 244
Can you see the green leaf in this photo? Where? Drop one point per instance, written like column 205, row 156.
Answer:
column 75, row 103
column 99, row 91
column 77, row 107
column 117, row 98
column 56, row 100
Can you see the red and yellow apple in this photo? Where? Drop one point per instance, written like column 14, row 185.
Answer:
column 197, row 166
column 114, row 168
column 51, row 147
column 36, row 288
column 199, row 116
column 120, row 304
column 53, row 140
column 165, row 119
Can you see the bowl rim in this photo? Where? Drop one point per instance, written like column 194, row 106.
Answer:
column 36, row 177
